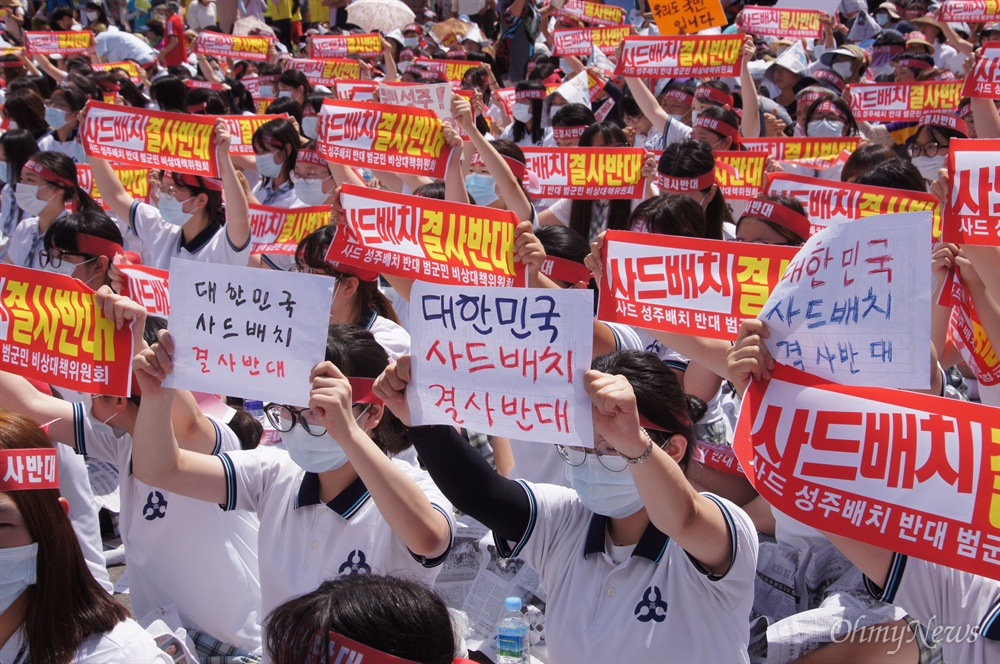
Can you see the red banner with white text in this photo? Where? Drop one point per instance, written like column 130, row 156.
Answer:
column 587, row 173
column 687, row 56
column 972, row 215
column 904, row 102
column 278, row 230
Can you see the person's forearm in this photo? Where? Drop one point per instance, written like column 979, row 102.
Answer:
column 751, row 105
column 454, row 180
column 709, row 353
column 237, row 203
column 647, row 103
column 987, row 118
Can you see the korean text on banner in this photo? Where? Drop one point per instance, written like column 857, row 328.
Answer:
column 972, row 215
column 887, row 102
column 740, row 173
column 52, row 330
column 578, row 41
column 811, row 152
column 686, row 285
column 247, row 332
column 877, row 465
column 340, row 46
column 383, row 137
column 242, row 128
column 29, row 468
column 975, row 11
column 135, row 181
column 326, row 72
column 278, row 230
column 687, row 17
column 434, row 97
column 232, row 46
column 587, row 173
column 854, row 305
column 154, row 139
column 829, row 203
column 426, row 239
column 149, row 286
column 786, row 23
column 508, row 362
column 356, row 90
column 594, row 13
column 984, row 80
column 58, row 43
column 966, row 332
column 446, row 70
column 667, row 57
column 128, row 66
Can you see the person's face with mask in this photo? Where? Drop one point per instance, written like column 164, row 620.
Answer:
column 883, row 18
column 18, row 557
column 91, row 270
column 58, row 114
column 483, row 188
column 411, row 39
column 178, row 204
column 270, row 160
column 65, row 23
column 313, row 183
column 844, row 66
column 638, row 123
column 826, row 124
column 904, row 75
column 677, row 109
column 46, row 196
column 296, row 93
column 929, row 152
column 717, row 141
column 111, row 411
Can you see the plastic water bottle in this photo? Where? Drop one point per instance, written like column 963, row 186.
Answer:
column 512, row 634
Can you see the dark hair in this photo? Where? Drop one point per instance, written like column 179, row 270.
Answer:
column 215, row 102
column 537, row 131
column 42, row 83
column 659, row 395
column 312, row 253
column 64, row 167
column 21, row 82
column 393, row 615
column 283, row 132
column 296, row 79
column 357, row 354
column 245, row 426
column 562, row 242
column 66, row 604
column 722, row 115
column 896, row 173
column 73, row 96
column 574, row 115
column 890, row 38
column 62, row 234
column 102, row 16
column 690, row 159
column 315, row 101
column 286, row 105
column 715, row 84
column 128, row 90
column 669, row 214
column 581, row 210
column 18, row 146
column 155, row 26
column 58, row 14
column 543, row 69
column 27, row 108
column 791, row 238
column 170, row 93
column 864, row 158
column 433, row 190
column 845, row 112
column 926, row 58
column 938, row 133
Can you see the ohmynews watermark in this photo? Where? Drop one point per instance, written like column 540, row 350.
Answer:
column 899, row 633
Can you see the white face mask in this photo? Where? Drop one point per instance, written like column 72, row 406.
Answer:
column 27, row 199
column 267, row 166
column 522, row 111
column 315, row 454
column 66, row 268
column 842, row 68
column 825, row 128
column 311, row 193
column 929, row 166
column 481, row 187
column 411, row 42
column 310, row 125
column 172, row 210
column 18, row 570
column 265, row 92
column 12, row 124
column 882, row 19
column 284, row 93
column 603, row 491
column 56, row 118
column 694, row 116
column 92, row 15
column 115, row 430
column 5, row 172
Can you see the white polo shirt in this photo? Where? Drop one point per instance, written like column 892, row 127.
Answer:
column 959, row 609
column 74, row 486
column 166, row 241
column 126, row 643
column 658, row 606
column 392, row 337
column 183, row 551
column 304, row 542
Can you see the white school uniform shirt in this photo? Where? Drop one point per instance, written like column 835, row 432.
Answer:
column 304, row 542
column 74, row 486
column 526, row 140
column 113, row 45
column 126, row 643
column 658, row 606
column 166, row 241
column 959, row 609
column 183, row 551
column 392, row 337
column 51, row 143
column 26, row 242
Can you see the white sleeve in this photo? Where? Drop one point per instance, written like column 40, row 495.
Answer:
column 561, row 210
column 249, row 474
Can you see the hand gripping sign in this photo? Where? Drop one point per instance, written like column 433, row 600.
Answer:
column 966, row 332
column 972, row 215
column 52, row 330
column 689, row 56
column 504, row 361
column 910, row 473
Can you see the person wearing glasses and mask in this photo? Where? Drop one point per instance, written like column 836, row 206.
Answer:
column 928, row 148
column 334, row 504
column 633, row 559
column 83, row 246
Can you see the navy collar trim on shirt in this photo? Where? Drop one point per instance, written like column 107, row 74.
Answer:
column 652, row 545
column 201, row 239
column 372, row 316
column 990, row 626
column 346, row 503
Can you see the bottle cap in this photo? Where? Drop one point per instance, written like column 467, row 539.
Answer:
column 512, row 603
column 253, row 405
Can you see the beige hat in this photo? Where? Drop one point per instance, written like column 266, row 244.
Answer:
column 918, row 38
column 890, row 8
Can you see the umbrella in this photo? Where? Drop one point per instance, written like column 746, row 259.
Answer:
column 382, row 15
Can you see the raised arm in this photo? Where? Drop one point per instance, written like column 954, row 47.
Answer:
column 750, row 125
column 237, row 210
column 647, row 103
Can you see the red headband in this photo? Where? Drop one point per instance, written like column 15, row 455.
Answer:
column 521, row 95
column 32, row 468
column 46, row 174
column 945, row 120
column 568, row 132
column 358, row 272
column 718, row 96
column 361, row 390
column 328, row 647
column 516, row 167
column 964, row 109
column 778, row 214
column 830, row 107
column 206, row 183
column 681, row 96
column 808, row 98
column 310, row 157
column 477, row 160
column 197, row 108
column 11, row 64
column 97, row 246
column 719, row 127
column 830, row 77
column 671, row 184
column 565, row 270
column 109, row 86
column 914, row 64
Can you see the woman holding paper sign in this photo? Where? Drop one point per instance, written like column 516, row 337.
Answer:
column 189, row 221
column 635, row 561
column 335, row 503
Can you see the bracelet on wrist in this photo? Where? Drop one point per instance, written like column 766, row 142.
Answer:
column 645, row 455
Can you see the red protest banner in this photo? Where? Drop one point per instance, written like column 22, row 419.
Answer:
column 326, row 72
column 32, row 468
column 129, row 66
column 58, row 43
column 425, row 239
column 973, row 11
column 149, row 286
column 828, row 203
column 687, row 285
column 912, row 473
column 233, row 46
column 587, row 173
column 984, row 80
column 279, row 230
column 592, row 12
column 972, row 215
column 135, row 180
column 204, row 85
column 886, row 102
column 689, row 56
column 242, row 128
column 383, row 137
column 452, row 71
column 263, row 103
column 740, row 173
column 176, row 142
column 966, row 332
column 341, row 46
column 781, row 22
column 52, row 330
column 817, row 153
column 579, row 41
column 354, row 90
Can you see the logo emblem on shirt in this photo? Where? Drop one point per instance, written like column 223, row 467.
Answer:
column 651, row 607
column 355, row 564
column 156, row 506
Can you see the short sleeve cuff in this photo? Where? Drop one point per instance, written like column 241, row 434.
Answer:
column 503, row 548
column 733, row 543
column 894, row 577
column 434, row 562
column 230, row 473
